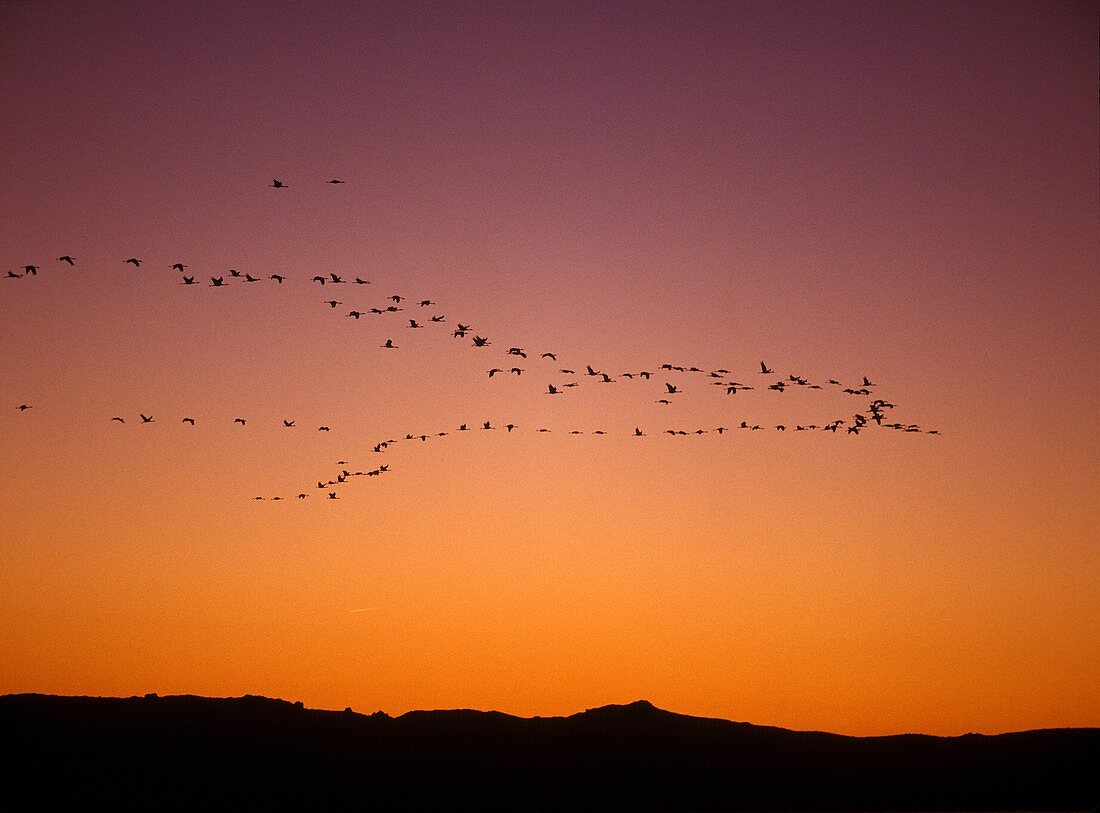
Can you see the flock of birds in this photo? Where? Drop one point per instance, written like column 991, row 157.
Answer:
column 515, row 363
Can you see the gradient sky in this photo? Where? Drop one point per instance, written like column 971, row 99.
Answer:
column 902, row 191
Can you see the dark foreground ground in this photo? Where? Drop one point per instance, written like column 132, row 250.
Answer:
column 253, row 752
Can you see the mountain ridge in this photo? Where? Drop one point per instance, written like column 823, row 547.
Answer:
column 185, row 750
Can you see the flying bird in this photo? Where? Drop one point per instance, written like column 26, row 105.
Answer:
column 146, row 418
column 335, row 180
column 389, row 345
column 288, row 424
column 277, row 184
column 31, row 269
column 185, row 420
column 216, row 282
column 178, row 267
column 241, row 421
column 764, row 369
column 23, row 407
column 278, row 278
column 134, row 261
column 65, row 258
column 120, row 420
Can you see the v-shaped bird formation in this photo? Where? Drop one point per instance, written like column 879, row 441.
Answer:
column 539, row 370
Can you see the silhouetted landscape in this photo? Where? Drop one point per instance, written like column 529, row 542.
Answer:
column 183, row 751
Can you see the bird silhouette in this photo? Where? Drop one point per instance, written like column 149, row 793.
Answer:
column 288, row 424
column 250, row 278
column 120, row 420
column 335, row 180
column 241, row 421
column 185, row 420
column 671, row 389
column 323, row 429
column 550, row 356
column 188, row 281
column 552, row 390
column 13, row 275
column 216, row 282
column 332, row 303
column 134, row 261
column 31, row 269
column 277, row 184
column 24, row 407
column 146, row 418
column 278, row 278
column 389, row 345
column 319, row 279
column 177, row 267
column 764, row 369
column 359, row 281
column 480, row 341
column 65, row 258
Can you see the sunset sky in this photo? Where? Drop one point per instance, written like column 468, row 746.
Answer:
column 903, row 191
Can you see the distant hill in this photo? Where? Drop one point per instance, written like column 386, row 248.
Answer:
column 250, row 752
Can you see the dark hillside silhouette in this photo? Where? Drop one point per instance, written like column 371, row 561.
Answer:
column 186, row 751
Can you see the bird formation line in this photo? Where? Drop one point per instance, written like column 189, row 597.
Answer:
column 516, row 363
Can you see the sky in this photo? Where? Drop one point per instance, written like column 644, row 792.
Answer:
column 906, row 192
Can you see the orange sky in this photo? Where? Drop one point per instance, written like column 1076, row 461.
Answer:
column 906, row 193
